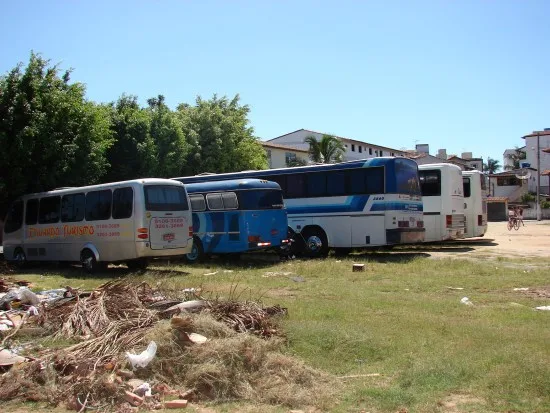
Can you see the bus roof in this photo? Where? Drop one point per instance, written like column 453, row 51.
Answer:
column 75, row 189
column 231, row 184
column 442, row 165
column 371, row 162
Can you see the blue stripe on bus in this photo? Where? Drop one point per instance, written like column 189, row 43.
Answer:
column 396, row 206
column 352, row 204
column 355, row 204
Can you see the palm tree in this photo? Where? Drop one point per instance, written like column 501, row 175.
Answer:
column 329, row 149
column 515, row 157
column 491, row 166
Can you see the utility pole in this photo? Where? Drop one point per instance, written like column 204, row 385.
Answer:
column 538, row 178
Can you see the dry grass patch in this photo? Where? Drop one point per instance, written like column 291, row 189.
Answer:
column 235, row 366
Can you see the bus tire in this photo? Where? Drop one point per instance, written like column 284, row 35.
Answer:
column 20, row 258
column 197, row 252
column 315, row 242
column 88, row 261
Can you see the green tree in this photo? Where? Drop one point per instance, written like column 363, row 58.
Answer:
column 329, row 149
column 167, row 133
column 134, row 153
column 492, row 166
column 219, row 137
column 516, row 159
column 50, row 134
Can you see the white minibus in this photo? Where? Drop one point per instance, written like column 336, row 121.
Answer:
column 475, row 203
column 129, row 222
column 443, row 199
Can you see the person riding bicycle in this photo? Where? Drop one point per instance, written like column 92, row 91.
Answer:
column 519, row 215
column 512, row 215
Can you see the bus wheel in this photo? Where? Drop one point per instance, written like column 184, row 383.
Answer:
column 20, row 258
column 138, row 265
column 196, row 254
column 88, row 261
column 316, row 243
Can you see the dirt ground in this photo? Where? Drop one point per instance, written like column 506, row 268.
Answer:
column 529, row 241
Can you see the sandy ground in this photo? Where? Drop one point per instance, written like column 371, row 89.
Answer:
column 529, row 241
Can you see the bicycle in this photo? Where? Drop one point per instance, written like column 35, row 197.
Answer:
column 513, row 222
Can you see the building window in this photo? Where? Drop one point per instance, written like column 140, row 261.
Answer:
column 360, row 149
column 392, row 154
column 508, row 181
column 370, row 151
column 268, row 152
column 352, row 147
column 376, row 153
column 290, row 157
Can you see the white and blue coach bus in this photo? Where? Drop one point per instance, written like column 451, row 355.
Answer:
column 235, row 216
column 357, row 204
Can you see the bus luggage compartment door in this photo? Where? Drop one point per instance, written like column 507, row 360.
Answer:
column 168, row 232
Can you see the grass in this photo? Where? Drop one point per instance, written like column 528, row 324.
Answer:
column 398, row 319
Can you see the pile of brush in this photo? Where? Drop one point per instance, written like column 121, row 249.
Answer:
column 207, row 349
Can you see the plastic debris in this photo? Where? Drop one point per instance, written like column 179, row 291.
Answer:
column 8, row 358
column 521, row 289
column 22, row 295
column 543, row 308
column 466, row 301
column 144, row 358
column 143, row 390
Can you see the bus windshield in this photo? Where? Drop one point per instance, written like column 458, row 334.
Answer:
column 165, row 198
column 261, row 199
column 406, row 176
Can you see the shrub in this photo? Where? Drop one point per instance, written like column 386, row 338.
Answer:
column 545, row 204
column 527, row 198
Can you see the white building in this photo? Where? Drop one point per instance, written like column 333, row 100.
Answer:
column 279, row 156
column 539, row 141
column 355, row 149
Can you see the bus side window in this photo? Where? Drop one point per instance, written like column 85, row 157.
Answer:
column 336, row 183
column 214, row 201
column 31, row 214
column 316, row 184
column 356, row 181
column 49, row 210
column 430, row 183
column 14, row 219
column 98, row 205
column 72, row 208
column 466, row 187
column 295, row 186
column 123, row 200
column 280, row 179
column 374, row 180
column 230, row 200
column 197, row 202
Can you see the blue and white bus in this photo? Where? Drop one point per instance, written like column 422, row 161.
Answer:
column 235, row 216
column 365, row 203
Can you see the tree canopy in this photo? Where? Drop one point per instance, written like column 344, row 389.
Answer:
column 329, row 149
column 52, row 136
column 492, row 166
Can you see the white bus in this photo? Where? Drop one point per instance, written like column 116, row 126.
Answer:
column 443, row 199
column 475, row 203
column 128, row 222
column 357, row 204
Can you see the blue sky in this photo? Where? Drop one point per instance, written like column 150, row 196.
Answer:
column 468, row 75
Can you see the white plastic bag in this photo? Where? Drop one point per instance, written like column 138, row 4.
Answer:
column 466, row 301
column 143, row 359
